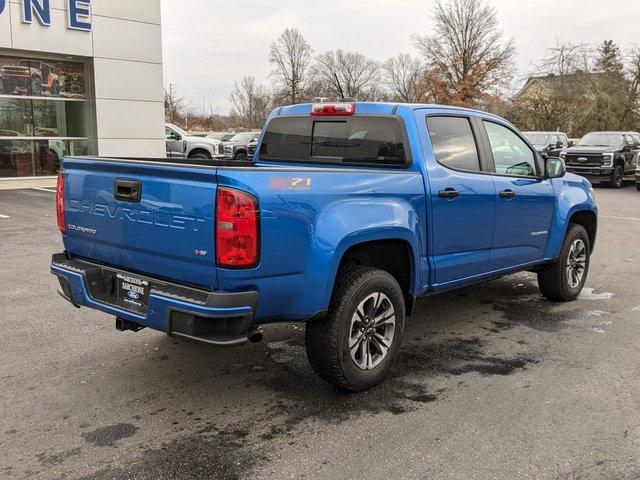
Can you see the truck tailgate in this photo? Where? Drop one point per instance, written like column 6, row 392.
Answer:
column 165, row 231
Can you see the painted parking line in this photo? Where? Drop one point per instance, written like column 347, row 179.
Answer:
column 43, row 189
column 4, row 216
column 631, row 219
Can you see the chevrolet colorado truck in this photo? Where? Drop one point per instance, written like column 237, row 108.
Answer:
column 349, row 213
column 604, row 157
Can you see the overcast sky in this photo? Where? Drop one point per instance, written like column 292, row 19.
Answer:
column 210, row 44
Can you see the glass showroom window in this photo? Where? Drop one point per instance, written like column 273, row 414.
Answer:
column 44, row 115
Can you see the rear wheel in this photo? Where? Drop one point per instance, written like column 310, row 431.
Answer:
column 565, row 279
column 617, row 178
column 354, row 347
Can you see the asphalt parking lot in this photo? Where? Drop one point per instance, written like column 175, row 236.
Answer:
column 494, row 382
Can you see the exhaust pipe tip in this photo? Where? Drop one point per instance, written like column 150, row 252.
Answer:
column 255, row 335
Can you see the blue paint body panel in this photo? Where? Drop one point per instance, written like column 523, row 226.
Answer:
column 305, row 231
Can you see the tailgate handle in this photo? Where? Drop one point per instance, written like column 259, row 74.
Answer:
column 127, row 190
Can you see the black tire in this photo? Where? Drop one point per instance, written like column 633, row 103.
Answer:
column 36, row 86
column 199, row 156
column 553, row 279
column 617, row 177
column 241, row 156
column 638, row 186
column 327, row 340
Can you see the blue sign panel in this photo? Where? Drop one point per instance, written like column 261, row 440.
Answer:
column 41, row 9
column 78, row 13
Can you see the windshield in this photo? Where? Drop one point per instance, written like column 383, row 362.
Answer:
column 242, row 137
column 179, row 130
column 537, row 139
column 601, row 140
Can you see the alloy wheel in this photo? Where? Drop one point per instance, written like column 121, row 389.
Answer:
column 576, row 263
column 372, row 330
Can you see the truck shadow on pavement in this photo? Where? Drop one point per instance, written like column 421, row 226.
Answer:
column 236, row 405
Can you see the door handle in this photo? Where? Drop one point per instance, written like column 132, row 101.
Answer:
column 508, row 194
column 127, row 190
column 449, row 193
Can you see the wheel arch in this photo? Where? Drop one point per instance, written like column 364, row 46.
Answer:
column 393, row 254
column 197, row 150
column 589, row 220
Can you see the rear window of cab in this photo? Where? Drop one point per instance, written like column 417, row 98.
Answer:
column 375, row 141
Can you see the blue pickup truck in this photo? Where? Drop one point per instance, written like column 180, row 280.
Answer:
column 348, row 214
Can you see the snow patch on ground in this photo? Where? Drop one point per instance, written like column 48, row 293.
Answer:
column 595, row 313
column 286, row 354
column 588, row 294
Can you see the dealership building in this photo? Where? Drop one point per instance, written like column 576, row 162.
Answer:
column 78, row 77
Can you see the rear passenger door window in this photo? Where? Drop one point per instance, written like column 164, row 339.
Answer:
column 511, row 155
column 454, row 144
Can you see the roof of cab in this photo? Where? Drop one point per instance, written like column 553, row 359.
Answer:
column 376, row 108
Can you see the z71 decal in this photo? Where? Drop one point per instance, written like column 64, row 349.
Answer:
column 290, row 183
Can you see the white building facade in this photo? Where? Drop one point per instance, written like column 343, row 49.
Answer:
column 78, row 77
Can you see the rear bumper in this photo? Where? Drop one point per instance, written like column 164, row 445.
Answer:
column 213, row 317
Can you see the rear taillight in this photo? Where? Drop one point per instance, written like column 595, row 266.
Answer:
column 237, row 229
column 62, row 226
column 333, row 109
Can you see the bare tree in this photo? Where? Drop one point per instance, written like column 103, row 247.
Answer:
column 347, row 75
column 251, row 103
column 633, row 71
column 466, row 53
column 566, row 58
column 291, row 58
column 404, row 76
column 176, row 106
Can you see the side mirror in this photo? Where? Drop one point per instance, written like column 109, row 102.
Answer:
column 554, row 168
column 176, row 137
column 559, row 144
column 570, row 144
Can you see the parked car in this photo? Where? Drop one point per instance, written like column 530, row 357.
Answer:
column 29, row 77
column 223, row 137
column 252, row 147
column 236, row 148
column 182, row 145
column 549, row 144
column 604, row 157
column 350, row 213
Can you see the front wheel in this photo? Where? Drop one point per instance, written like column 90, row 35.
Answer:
column 199, row 156
column 354, row 347
column 617, row 178
column 241, row 156
column 564, row 280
